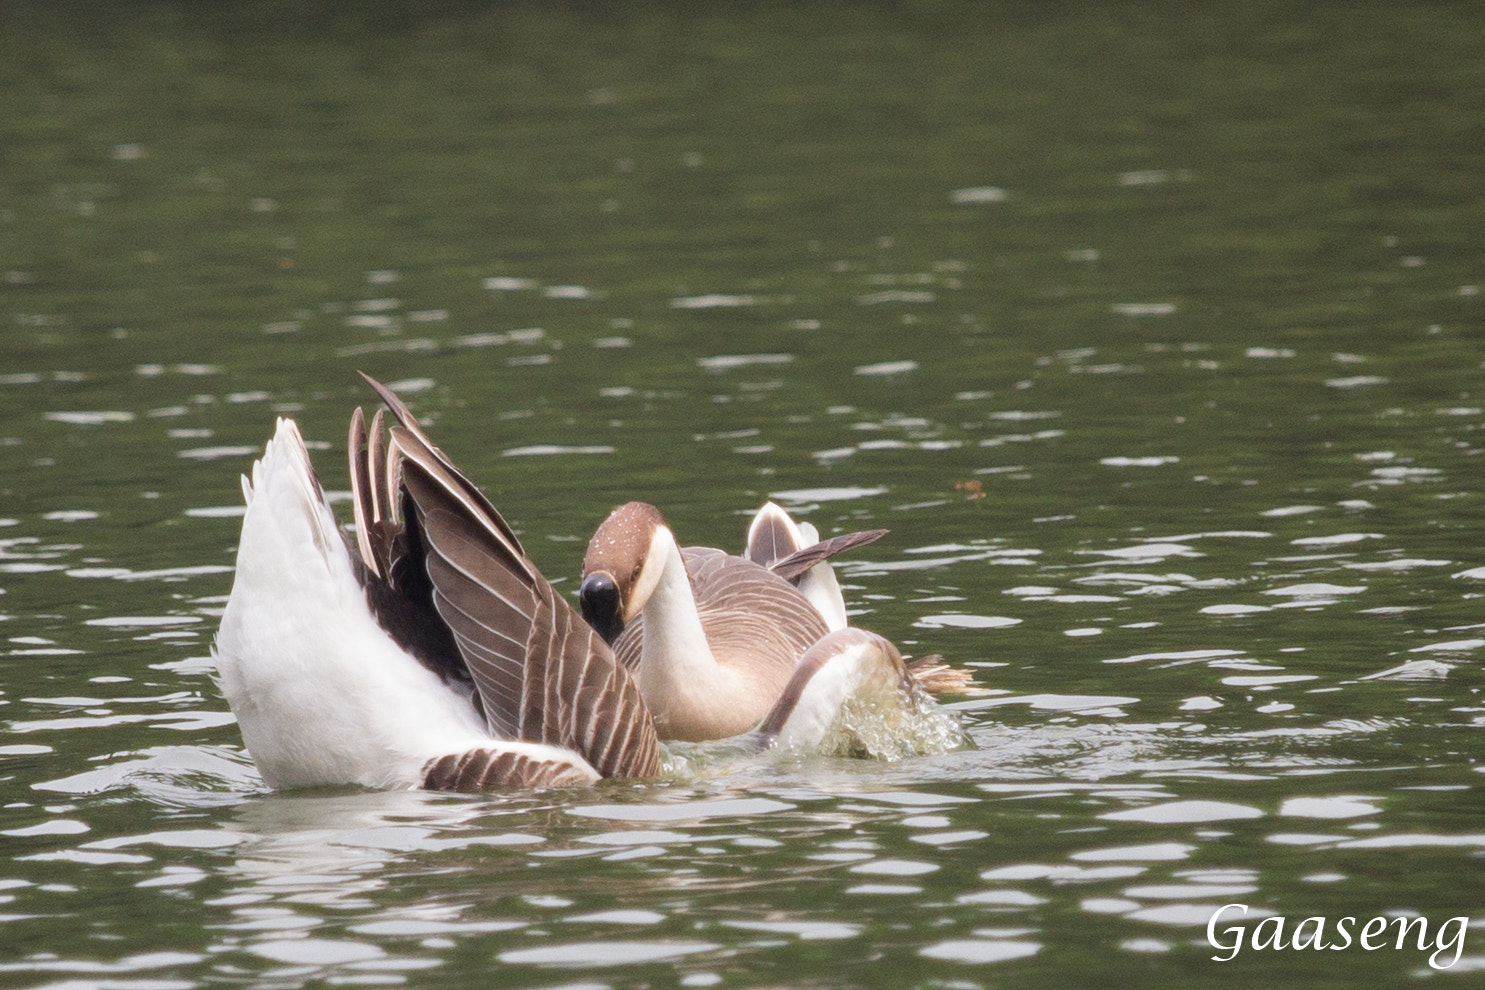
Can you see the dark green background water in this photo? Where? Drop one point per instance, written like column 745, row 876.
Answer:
column 1190, row 296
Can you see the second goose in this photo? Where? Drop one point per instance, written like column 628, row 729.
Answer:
column 713, row 638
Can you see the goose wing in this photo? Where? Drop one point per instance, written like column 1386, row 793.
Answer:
column 796, row 564
column 748, row 611
column 777, row 542
column 465, row 490
column 541, row 674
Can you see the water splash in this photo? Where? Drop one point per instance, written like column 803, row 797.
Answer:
column 893, row 728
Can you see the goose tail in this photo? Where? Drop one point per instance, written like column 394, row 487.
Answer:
column 776, row 541
column 284, row 493
column 936, row 676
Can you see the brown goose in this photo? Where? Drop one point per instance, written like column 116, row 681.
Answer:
column 721, row 635
column 440, row 658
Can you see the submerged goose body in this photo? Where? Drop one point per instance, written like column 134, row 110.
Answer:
column 438, row 656
column 795, row 550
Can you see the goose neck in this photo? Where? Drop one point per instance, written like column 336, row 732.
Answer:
column 673, row 636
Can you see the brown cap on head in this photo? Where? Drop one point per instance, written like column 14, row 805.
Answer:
column 615, row 556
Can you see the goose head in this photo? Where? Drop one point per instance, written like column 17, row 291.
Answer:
column 622, row 566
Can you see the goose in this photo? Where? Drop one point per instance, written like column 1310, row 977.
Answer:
column 714, row 639
column 431, row 654
column 721, row 634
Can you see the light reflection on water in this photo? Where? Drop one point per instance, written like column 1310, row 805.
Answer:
column 307, row 879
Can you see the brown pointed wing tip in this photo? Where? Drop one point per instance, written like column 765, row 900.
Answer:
column 398, row 407
column 494, row 767
column 795, row 565
column 378, row 386
column 938, row 677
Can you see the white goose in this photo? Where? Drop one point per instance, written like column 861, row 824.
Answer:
column 441, row 658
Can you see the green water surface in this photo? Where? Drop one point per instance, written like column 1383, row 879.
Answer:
column 1151, row 331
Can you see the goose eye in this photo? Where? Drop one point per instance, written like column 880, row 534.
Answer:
column 599, row 600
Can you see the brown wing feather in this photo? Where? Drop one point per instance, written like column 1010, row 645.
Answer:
column 397, row 589
column 589, row 701
column 482, row 769
column 383, row 481
column 465, row 489
column 746, row 609
column 541, row 673
column 793, row 566
column 373, row 472
column 770, row 538
column 362, row 489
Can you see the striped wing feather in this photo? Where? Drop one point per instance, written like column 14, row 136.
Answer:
column 487, row 608
column 481, row 769
column 461, row 487
column 746, row 609
column 541, row 673
column 588, row 702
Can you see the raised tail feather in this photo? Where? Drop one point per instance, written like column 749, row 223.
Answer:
column 793, row 566
column 938, row 677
